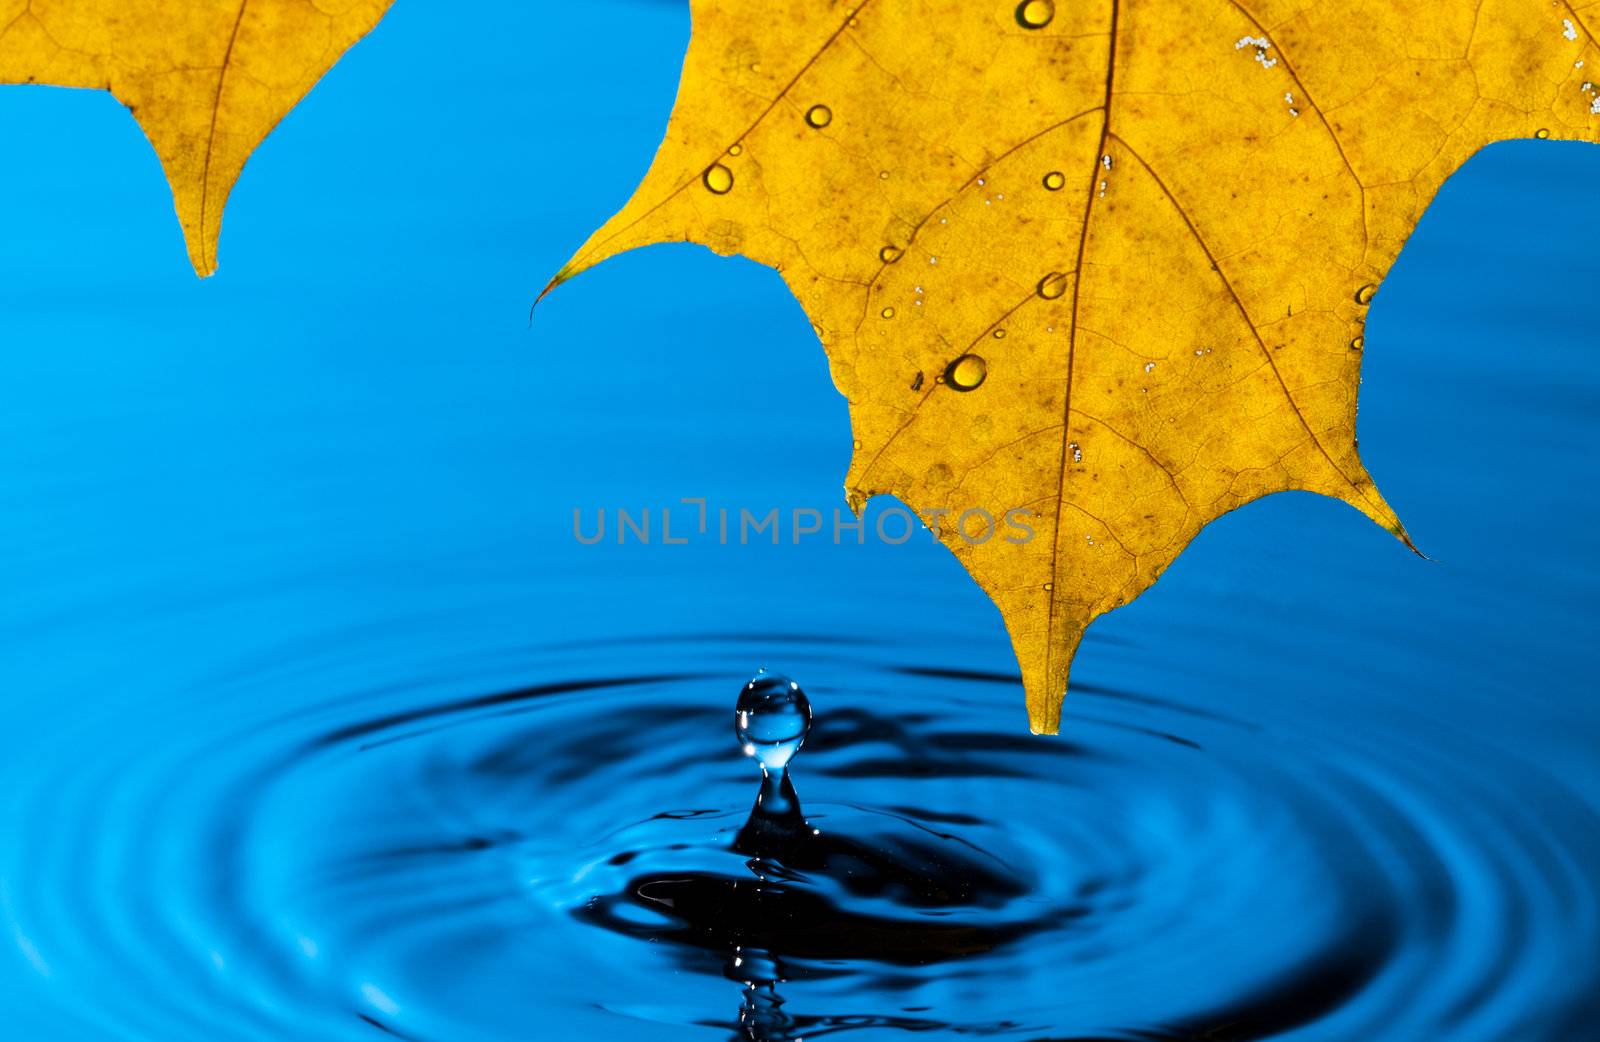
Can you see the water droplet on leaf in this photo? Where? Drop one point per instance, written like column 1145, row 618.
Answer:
column 1035, row 14
column 1542, row 133
column 1052, row 285
column 1055, row 180
column 889, row 254
column 888, row 312
column 966, row 373
column 1365, row 294
column 818, row 116
column 718, row 179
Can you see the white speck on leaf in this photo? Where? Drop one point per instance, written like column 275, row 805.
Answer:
column 1262, row 46
column 1569, row 30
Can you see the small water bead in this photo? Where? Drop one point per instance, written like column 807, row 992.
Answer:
column 1055, row 180
column 736, row 150
column 818, row 116
column 889, row 254
column 771, row 720
column 1542, row 133
column 718, row 179
column 887, row 312
column 1358, row 343
column 1365, row 294
column 966, row 373
column 1035, row 14
column 999, row 334
column 1052, row 286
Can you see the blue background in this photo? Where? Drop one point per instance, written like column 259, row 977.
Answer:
column 348, row 453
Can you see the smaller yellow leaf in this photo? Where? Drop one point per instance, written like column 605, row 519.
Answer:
column 207, row 81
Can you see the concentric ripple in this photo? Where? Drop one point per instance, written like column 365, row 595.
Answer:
column 553, row 860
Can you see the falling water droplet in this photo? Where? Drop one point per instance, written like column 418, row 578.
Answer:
column 1365, row 294
column 818, row 116
column 887, row 312
column 1542, row 133
column 1055, row 180
column 889, row 254
column 1052, row 286
column 966, row 373
column 771, row 720
column 1035, row 14
column 718, row 179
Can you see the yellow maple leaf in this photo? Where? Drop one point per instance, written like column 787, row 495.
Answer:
column 206, row 79
column 1106, row 261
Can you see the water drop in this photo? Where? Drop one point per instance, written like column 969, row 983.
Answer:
column 1358, row 343
column 771, row 720
column 1049, row 586
column 889, row 254
column 887, row 312
column 1035, row 14
column 883, row 175
column 818, row 116
column 736, row 150
column 1365, row 294
column 966, row 373
column 718, row 179
column 1055, row 180
column 999, row 334
column 1052, row 286
column 1542, row 133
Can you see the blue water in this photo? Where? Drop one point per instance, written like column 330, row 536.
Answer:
column 321, row 725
